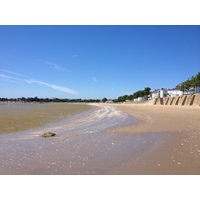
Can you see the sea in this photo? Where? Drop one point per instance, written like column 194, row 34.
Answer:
column 83, row 144
column 16, row 117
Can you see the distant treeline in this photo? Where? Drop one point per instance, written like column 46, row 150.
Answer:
column 47, row 100
column 184, row 86
column 192, row 82
column 139, row 93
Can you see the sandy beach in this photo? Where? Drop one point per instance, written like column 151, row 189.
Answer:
column 109, row 139
column 178, row 152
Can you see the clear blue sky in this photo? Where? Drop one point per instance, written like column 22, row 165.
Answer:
column 95, row 61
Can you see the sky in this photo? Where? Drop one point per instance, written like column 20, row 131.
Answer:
column 95, row 61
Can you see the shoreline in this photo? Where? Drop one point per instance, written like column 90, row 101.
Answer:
column 109, row 140
column 156, row 118
column 82, row 145
column 180, row 151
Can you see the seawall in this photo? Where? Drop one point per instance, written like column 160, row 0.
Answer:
column 186, row 100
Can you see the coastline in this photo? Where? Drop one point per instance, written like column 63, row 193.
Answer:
column 178, row 152
column 82, row 145
column 110, row 139
column 161, row 118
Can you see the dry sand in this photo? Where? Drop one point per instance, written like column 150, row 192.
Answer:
column 178, row 152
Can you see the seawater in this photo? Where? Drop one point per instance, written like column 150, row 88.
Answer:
column 82, row 145
column 16, row 117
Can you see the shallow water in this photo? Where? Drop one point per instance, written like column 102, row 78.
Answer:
column 22, row 116
column 79, row 139
column 82, row 146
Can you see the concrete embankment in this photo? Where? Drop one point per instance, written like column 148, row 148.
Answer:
column 186, row 100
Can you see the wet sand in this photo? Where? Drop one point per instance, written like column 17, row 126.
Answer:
column 109, row 139
column 178, row 152
column 82, row 145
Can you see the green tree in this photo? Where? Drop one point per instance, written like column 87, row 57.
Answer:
column 130, row 97
column 139, row 93
column 192, row 82
column 104, row 99
column 147, row 91
column 120, row 99
column 197, row 79
column 125, row 97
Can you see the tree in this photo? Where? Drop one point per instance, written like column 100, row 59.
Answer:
column 192, row 82
column 198, row 79
column 120, row 99
column 125, row 97
column 130, row 97
column 23, row 99
column 147, row 91
column 139, row 93
column 104, row 99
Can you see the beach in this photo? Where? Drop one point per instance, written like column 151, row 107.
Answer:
column 121, row 139
column 178, row 149
column 81, row 146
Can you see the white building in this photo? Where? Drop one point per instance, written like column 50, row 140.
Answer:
column 197, row 89
column 155, row 94
column 144, row 98
column 174, row 92
column 109, row 101
column 163, row 92
column 159, row 93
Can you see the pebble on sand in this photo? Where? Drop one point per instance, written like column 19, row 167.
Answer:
column 48, row 134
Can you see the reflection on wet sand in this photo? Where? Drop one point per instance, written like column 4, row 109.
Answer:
column 81, row 147
column 108, row 139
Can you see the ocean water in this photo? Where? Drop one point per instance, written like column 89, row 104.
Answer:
column 15, row 117
column 82, row 145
